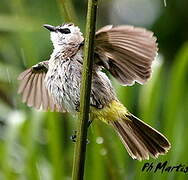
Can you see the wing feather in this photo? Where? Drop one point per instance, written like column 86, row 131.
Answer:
column 45, row 98
column 24, row 82
column 32, row 94
column 127, row 52
column 33, row 90
column 24, row 74
column 38, row 96
column 27, row 90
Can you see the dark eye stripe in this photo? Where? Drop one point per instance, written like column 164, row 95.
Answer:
column 64, row 31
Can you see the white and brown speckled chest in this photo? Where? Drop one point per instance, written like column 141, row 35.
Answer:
column 63, row 81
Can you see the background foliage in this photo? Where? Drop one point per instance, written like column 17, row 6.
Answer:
column 35, row 145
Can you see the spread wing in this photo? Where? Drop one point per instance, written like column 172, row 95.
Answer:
column 126, row 52
column 33, row 90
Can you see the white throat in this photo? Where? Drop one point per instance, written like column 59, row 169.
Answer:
column 65, row 42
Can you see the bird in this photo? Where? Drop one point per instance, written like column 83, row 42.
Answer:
column 126, row 52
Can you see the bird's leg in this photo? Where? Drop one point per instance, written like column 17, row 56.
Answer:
column 89, row 123
column 74, row 135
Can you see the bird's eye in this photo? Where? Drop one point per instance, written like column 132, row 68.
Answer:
column 64, row 31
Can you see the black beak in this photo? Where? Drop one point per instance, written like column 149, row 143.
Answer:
column 49, row 27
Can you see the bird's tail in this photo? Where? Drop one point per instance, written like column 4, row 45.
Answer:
column 140, row 139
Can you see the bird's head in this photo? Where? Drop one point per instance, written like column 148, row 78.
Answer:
column 65, row 34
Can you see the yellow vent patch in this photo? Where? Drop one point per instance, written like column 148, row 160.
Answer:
column 112, row 112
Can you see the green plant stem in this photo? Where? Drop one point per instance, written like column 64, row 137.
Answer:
column 80, row 149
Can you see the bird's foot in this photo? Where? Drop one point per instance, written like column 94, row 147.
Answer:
column 89, row 123
column 73, row 137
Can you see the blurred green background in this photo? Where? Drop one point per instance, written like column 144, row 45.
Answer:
column 35, row 145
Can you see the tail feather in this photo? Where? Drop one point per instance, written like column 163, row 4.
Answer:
column 140, row 140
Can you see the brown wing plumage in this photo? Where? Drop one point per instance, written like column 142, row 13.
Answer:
column 127, row 52
column 33, row 90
